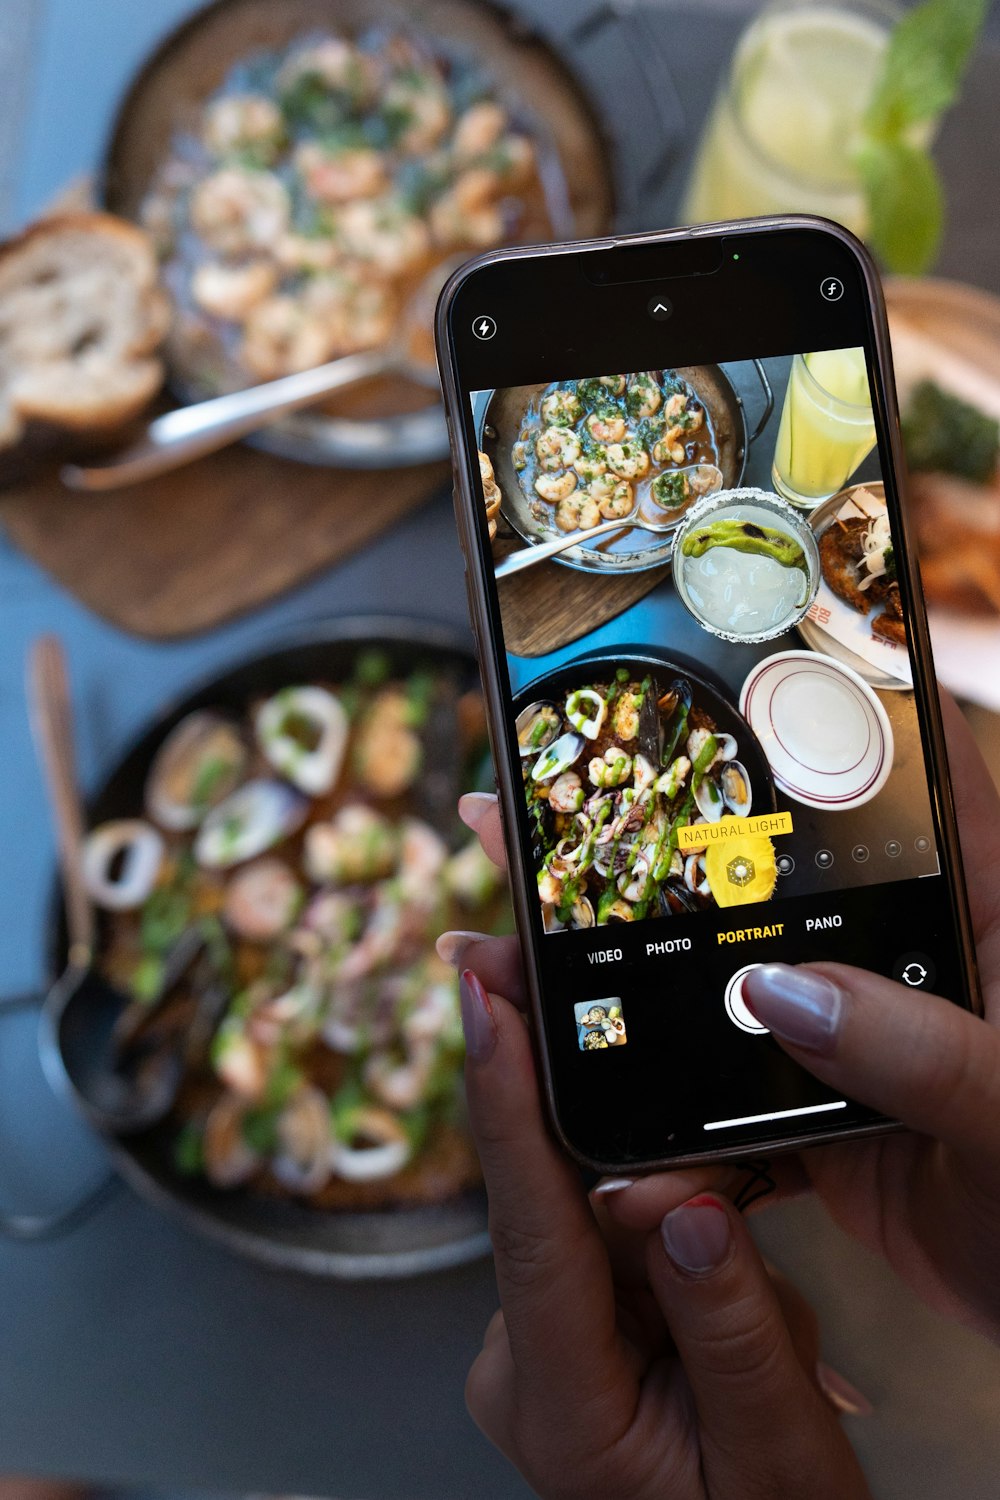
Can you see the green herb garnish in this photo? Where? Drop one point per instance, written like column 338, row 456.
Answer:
column 944, row 433
column 925, row 60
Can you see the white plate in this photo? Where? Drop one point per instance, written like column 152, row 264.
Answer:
column 826, row 736
column 880, row 663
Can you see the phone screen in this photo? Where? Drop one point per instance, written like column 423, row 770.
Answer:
column 715, row 716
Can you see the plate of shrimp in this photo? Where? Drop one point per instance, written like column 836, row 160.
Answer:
column 575, row 453
column 302, row 176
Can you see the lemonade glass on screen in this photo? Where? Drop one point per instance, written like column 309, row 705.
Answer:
column 784, row 130
column 827, row 426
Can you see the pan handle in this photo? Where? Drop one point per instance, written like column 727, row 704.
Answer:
column 765, row 416
column 32, row 1228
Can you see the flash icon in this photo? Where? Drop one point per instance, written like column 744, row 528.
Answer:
column 484, row 327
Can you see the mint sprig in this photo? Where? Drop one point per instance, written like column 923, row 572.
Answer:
column 925, row 61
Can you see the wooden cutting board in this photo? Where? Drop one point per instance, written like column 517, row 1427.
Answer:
column 575, row 602
column 185, row 552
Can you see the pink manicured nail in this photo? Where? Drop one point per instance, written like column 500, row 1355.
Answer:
column 452, row 945
column 609, row 1185
column 798, row 1005
column 473, row 807
column 477, row 1018
column 697, row 1236
column 841, row 1394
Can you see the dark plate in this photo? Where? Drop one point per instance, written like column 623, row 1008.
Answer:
column 394, row 1242
column 632, row 551
column 707, row 694
column 379, row 429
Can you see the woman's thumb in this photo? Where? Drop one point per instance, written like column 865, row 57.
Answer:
column 915, row 1057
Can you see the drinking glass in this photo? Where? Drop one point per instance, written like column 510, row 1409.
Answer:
column 783, row 132
column 826, row 428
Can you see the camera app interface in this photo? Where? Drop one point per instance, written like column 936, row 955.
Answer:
column 712, row 703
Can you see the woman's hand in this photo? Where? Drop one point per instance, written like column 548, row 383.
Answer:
column 928, row 1200
column 627, row 1365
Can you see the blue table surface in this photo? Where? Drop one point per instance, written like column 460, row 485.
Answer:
column 131, row 1350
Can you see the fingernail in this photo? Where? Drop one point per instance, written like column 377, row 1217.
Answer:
column 611, row 1185
column 477, row 1018
column 697, row 1236
column 796, row 1004
column 473, row 807
column 841, row 1394
column 452, row 945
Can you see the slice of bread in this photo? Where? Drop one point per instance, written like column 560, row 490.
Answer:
column 81, row 316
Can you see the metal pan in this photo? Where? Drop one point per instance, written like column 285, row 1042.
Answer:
column 387, row 424
column 391, row 1243
column 634, row 551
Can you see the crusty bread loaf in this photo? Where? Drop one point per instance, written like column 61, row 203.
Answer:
column 81, row 315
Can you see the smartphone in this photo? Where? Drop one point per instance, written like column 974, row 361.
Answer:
column 713, row 711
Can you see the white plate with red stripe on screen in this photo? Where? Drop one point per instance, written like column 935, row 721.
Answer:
column 826, row 736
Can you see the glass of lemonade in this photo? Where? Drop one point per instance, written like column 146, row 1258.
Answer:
column 746, row 565
column 784, row 129
column 827, row 426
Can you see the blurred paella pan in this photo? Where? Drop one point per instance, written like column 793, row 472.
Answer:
column 272, row 862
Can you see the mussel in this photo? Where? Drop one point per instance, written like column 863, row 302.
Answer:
column 558, row 756
column 120, row 863
column 674, row 707
column 537, row 726
column 253, row 819
column 675, row 898
column 303, row 734
column 200, row 762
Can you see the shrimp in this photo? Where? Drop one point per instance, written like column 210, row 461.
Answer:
column 591, row 465
column 478, row 130
column 556, row 447
column 382, row 233
column 577, row 512
column 675, row 404
column 613, row 497
column 242, row 122
column 668, row 449
column 468, row 213
column 514, row 159
column 612, row 769
column 340, row 176
column 306, row 252
column 643, row 397
column 336, row 64
column 279, row 337
column 231, row 291
column 421, row 104
column 566, row 793
column 356, row 314
column 561, row 409
column 236, row 210
column 628, row 460
column 606, row 425
column 550, row 891
column 556, row 487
